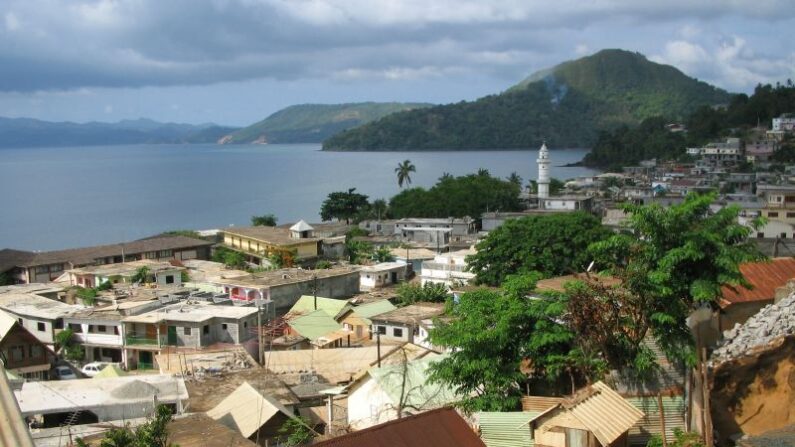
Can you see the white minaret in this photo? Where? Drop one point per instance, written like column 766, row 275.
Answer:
column 543, row 172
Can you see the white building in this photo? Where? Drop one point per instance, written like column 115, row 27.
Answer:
column 161, row 273
column 381, row 275
column 42, row 317
column 403, row 324
column 784, row 123
column 567, row 203
column 447, row 268
column 543, row 172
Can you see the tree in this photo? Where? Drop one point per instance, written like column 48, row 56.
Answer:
column 430, row 292
column 152, row 433
column 298, row 431
column 142, row 275
column 266, row 220
column 343, row 205
column 554, row 244
column 65, row 342
column 383, row 254
column 282, row 258
column 358, row 251
column 671, row 261
column 379, row 208
column 230, row 258
column 515, row 179
column 404, row 171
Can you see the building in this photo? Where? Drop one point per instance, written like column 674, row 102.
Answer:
column 283, row 287
column 595, row 416
column 784, row 123
column 259, row 242
column 24, row 354
column 543, row 172
column 396, row 390
column 449, row 269
column 381, row 275
column 458, row 227
column 159, row 272
column 779, row 202
column 253, row 414
column 189, row 325
column 566, row 203
column 42, row 317
column 357, row 320
column 30, row 267
column 403, row 324
column 438, row 428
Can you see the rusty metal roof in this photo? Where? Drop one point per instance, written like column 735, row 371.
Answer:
column 764, row 276
column 436, row 428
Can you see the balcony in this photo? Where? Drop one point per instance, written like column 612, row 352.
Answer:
column 99, row 339
column 136, row 340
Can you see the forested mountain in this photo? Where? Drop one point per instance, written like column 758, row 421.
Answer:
column 567, row 105
column 312, row 123
column 27, row 132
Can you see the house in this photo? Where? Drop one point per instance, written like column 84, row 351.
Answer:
column 321, row 329
column 784, row 123
column 449, row 269
column 382, row 274
column 334, row 366
column 392, row 391
column 188, row 325
column 159, row 272
column 443, row 427
column 458, row 227
column 194, row 430
column 283, row 287
column 403, row 324
column 412, row 256
column 595, row 416
column 357, row 320
column 101, row 400
column 740, row 303
column 24, row 354
column 779, row 202
column 253, row 414
column 29, row 267
column 502, row 428
column 257, row 243
column 566, row 203
column 42, row 317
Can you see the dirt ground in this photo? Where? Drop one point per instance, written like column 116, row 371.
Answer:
column 755, row 394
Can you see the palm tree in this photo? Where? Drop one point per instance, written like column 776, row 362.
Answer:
column 403, row 171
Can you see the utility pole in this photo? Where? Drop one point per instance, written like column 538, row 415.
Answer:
column 314, row 289
column 378, row 346
column 260, row 346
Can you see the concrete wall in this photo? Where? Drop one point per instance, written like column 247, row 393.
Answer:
column 340, row 286
column 46, row 336
column 407, row 335
column 369, row 405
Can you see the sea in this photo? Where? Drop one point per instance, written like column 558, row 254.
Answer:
column 64, row 197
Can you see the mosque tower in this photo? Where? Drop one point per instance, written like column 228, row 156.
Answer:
column 543, row 172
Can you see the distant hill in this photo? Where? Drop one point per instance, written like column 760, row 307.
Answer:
column 313, row 123
column 27, row 132
column 567, row 105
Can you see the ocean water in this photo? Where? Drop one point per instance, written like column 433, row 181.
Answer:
column 54, row 198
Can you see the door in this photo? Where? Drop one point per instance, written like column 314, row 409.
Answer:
column 172, row 335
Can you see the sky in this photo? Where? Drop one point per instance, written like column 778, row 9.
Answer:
column 234, row 62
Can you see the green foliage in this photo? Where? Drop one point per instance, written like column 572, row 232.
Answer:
column 229, row 257
column 87, row 295
column 297, row 431
column 5, row 279
column 142, row 275
column 187, row 233
column 358, row 251
column 681, row 439
column 184, row 276
column 282, row 258
column 468, row 195
column 675, row 259
column 152, row 433
column 554, row 244
column 266, row 220
column 627, row 146
column 312, row 123
column 409, row 293
column 383, row 254
column 568, row 105
column 378, row 208
column 322, row 265
column 403, row 171
column 343, row 205
column 65, row 341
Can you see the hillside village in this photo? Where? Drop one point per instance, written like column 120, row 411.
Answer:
column 278, row 335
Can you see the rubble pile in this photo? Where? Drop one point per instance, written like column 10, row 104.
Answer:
column 769, row 324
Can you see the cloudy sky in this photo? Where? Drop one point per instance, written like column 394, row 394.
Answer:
column 236, row 61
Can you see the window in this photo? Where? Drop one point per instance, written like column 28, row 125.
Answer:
column 17, row 353
column 56, row 268
column 76, row 328
column 58, row 324
column 115, row 330
column 151, row 255
column 245, row 324
column 772, row 214
column 206, row 329
column 223, row 326
column 790, row 215
column 164, row 253
column 35, row 351
column 42, row 269
column 170, row 279
column 41, row 326
column 760, row 234
column 186, row 331
column 397, row 332
column 381, row 330
column 783, row 235
column 21, row 321
column 101, row 328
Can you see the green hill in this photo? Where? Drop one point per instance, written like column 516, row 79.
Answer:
column 567, row 105
column 312, row 123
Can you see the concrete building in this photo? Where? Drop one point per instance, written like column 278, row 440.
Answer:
column 566, row 203
column 382, row 275
column 458, row 227
column 160, row 273
column 24, row 354
column 543, row 172
column 403, row 324
column 261, row 241
column 449, row 269
column 29, row 267
column 784, row 123
column 42, row 317
column 779, row 202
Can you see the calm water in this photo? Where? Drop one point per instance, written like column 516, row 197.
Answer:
column 57, row 198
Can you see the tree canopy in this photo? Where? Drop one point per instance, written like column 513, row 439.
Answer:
column 343, row 205
column 266, row 220
column 552, row 244
column 403, row 171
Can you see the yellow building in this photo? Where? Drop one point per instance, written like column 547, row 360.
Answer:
column 259, row 242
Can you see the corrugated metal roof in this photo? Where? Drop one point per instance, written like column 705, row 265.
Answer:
column 539, row 403
column 673, row 409
column 604, row 412
column 246, row 410
column 413, row 376
column 498, row 429
column 764, row 276
column 315, row 324
column 437, row 428
column 306, row 304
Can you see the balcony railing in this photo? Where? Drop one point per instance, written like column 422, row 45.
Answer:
column 133, row 340
column 443, row 267
column 144, row 365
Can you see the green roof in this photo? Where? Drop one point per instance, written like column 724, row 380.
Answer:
column 112, row 370
column 369, row 310
column 306, row 304
column 420, row 393
column 315, row 324
column 506, row 429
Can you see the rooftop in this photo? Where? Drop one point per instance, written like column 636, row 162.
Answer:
column 309, row 303
column 269, row 235
column 285, row 276
column 246, row 409
column 334, row 365
column 126, row 269
column 192, row 312
column 384, row 266
column 37, row 306
column 764, row 277
column 558, row 283
column 411, row 314
column 209, row 391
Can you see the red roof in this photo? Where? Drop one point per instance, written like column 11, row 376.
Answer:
column 436, row 428
column 765, row 277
